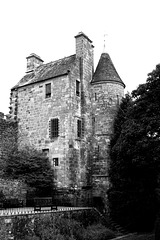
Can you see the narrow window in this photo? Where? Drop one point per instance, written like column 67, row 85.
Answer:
column 79, row 129
column 95, row 96
column 110, row 101
column 93, row 124
column 54, row 128
column 93, row 120
column 55, row 162
column 48, row 90
column 82, row 127
column 117, row 99
column 77, row 88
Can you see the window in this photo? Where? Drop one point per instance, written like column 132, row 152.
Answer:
column 95, row 96
column 46, row 152
column 77, row 88
column 54, row 128
column 82, row 127
column 48, row 90
column 55, row 162
column 117, row 99
column 79, row 128
column 93, row 120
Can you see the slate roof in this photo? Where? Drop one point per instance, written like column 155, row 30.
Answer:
column 47, row 71
column 105, row 71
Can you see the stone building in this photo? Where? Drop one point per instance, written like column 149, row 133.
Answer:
column 66, row 110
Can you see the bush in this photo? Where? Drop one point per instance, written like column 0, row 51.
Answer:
column 33, row 168
column 58, row 227
column 87, row 218
column 97, row 232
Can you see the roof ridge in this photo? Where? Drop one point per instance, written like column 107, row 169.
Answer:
column 60, row 59
column 51, row 62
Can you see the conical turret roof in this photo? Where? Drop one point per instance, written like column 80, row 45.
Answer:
column 105, row 71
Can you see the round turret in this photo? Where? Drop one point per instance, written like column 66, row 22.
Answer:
column 107, row 92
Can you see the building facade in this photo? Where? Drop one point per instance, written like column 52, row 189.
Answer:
column 66, row 110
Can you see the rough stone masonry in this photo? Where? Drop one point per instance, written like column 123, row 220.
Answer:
column 66, row 109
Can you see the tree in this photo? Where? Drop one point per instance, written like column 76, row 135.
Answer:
column 135, row 150
column 33, row 168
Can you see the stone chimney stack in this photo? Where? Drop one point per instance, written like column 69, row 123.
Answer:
column 83, row 44
column 85, row 50
column 33, row 61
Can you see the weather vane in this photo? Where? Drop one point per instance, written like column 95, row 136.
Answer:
column 104, row 47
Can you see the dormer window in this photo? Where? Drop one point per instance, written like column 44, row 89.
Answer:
column 48, row 90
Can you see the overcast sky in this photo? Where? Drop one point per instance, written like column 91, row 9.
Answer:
column 48, row 27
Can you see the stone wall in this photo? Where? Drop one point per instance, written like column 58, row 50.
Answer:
column 34, row 114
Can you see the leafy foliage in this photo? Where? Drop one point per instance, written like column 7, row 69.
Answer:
column 135, row 150
column 66, row 227
column 33, row 168
column 56, row 226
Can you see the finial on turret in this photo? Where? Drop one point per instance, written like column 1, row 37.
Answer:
column 104, row 47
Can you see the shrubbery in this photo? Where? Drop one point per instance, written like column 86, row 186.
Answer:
column 33, row 168
column 61, row 227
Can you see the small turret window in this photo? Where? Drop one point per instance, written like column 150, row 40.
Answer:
column 95, row 96
column 117, row 99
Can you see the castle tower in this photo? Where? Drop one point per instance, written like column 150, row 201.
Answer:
column 107, row 92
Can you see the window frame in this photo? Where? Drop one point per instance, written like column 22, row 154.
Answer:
column 55, row 161
column 79, row 128
column 48, row 90
column 54, row 128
